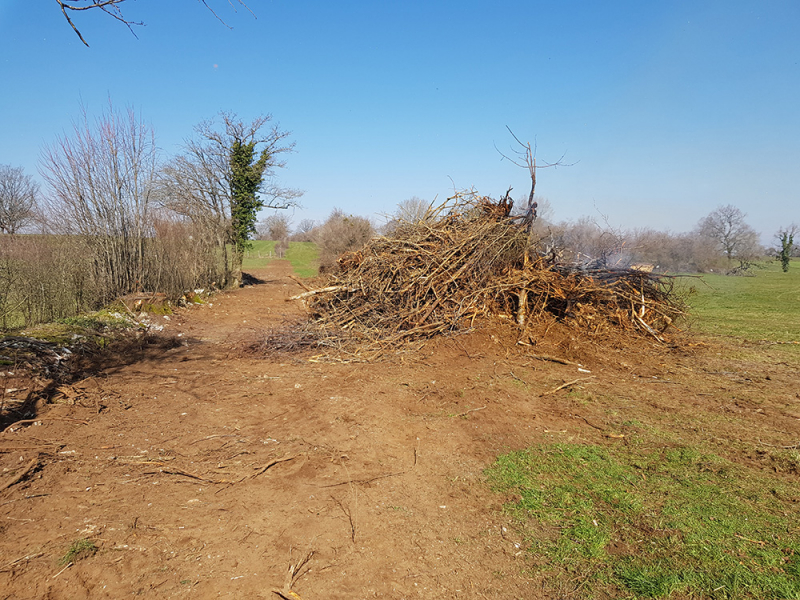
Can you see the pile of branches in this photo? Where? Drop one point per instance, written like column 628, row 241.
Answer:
column 470, row 259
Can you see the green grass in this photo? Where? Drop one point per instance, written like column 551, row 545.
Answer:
column 651, row 524
column 78, row 550
column 764, row 307
column 259, row 255
column 301, row 255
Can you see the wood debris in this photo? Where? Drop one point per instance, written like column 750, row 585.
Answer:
column 469, row 260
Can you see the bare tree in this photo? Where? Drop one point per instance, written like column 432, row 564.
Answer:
column 305, row 231
column 413, row 210
column 726, row 226
column 101, row 181
column 113, row 8
column 525, row 157
column 275, row 227
column 201, row 184
column 18, row 193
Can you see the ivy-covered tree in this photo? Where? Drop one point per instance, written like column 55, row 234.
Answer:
column 786, row 238
column 225, row 177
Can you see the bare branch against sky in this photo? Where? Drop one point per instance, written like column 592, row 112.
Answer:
column 112, row 8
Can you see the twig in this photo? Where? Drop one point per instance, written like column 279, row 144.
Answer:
column 287, row 594
column 332, row 288
column 517, row 378
column 589, row 423
column 300, row 283
column 23, row 498
column 211, row 437
column 21, row 475
column 295, row 570
column 62, row 570
column 565, row 385
column 466, row 412
column 795, row 447
column 185, row 474
column 31, row 421
column 554, row 359
column 349, row 513
column 741, row 537
column 362, row 481
column 269, row 465
column 19, row 560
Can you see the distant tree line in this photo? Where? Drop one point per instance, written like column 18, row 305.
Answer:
column 722, row 241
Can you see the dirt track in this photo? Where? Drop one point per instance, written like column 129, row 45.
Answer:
column 207, row 472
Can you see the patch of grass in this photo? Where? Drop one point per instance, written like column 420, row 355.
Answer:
column 652, row 524
column 764, row 307
column 259, row 254
column 78, row 550
column 303, row 257
column 95, row 325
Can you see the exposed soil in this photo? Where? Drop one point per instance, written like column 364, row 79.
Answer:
column 198, row 469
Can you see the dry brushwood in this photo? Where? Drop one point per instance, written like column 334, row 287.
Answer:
column 467, row 260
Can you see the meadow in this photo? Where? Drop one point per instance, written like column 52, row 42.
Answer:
column 765, row 306
column 301, row 255
column 671, row 513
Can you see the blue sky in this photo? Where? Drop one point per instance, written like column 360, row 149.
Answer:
column 666, row 109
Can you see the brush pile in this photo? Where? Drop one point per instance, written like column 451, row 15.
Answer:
column 470, row 260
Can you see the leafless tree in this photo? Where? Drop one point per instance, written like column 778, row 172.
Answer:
column 413, row 210
column 198, row 183
column 113, row 8
column 726, row 226
column 101, row 183
column 18, row 193
column 304, row 231
column 525, row 157
column 275, row 227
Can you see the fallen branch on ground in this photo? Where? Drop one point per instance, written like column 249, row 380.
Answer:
column 19, row 560
column 566, row 385
column 21, row 475
column 466, row 412
column 32, row 421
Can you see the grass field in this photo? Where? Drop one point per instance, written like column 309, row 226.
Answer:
column 664, row 518
column 301, row 255
column 763, row 307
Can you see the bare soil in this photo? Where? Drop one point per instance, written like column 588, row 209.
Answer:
column 201, row 470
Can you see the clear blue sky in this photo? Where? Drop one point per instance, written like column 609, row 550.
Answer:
column 668, row 109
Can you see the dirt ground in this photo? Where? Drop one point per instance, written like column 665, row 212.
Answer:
column 201, row 470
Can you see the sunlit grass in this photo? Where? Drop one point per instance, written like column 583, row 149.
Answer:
column 301, row 255
column 259, row 254
column 763, row 307
column 631, row 523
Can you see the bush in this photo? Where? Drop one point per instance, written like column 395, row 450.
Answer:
column 339, row 234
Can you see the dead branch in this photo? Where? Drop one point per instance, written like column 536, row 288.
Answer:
column 466, row 412
column 6, row 566
column 183, row 473
column 32, row 421
column 554, row 359
column 30, row 467
column 566, row 385
column 333, row 288
column 363, row 481
column 269, row 465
